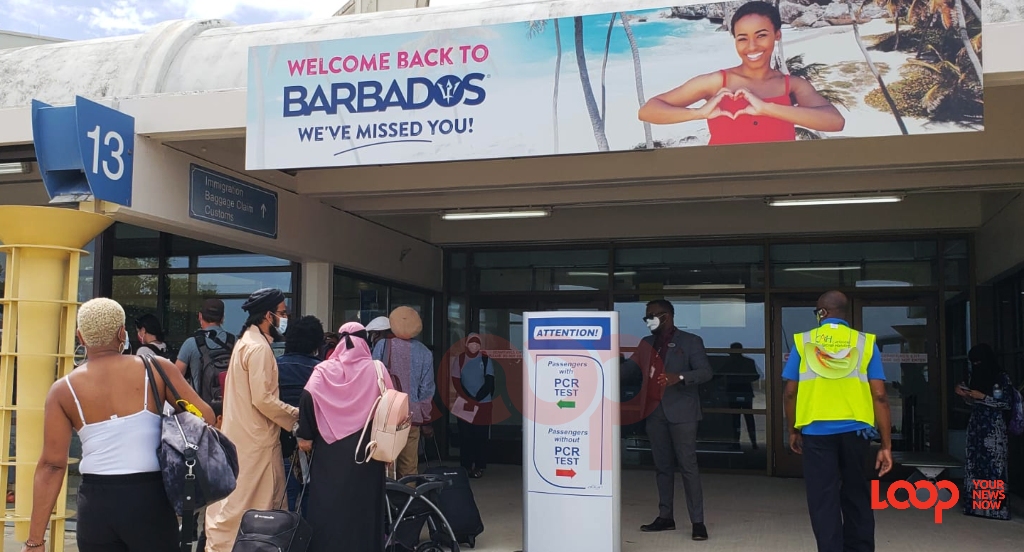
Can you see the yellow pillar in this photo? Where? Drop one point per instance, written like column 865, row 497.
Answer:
column 43, row 247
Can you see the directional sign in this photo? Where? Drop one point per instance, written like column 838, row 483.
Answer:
column 84, row 151
column 571, row 434
column 227, row 201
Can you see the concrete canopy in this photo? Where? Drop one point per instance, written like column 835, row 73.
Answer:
column 184, row 82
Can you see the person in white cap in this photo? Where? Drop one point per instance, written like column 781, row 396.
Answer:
column 379, row 328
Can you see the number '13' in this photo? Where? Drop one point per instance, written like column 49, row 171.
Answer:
column 116, row 153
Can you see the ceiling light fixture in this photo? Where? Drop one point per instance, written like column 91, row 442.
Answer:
column 15, row 168
column 493, row 215
column 819, row 268
column 851, row 200
column 699, row 287
column 602, row 274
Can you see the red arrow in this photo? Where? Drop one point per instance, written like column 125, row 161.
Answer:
column 565, row 473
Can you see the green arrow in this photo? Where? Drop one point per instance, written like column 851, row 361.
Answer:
column 566, row 404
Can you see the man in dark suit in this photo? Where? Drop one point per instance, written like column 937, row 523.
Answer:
column 674, row 363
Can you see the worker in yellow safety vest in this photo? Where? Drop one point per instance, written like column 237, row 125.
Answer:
column 835, row 398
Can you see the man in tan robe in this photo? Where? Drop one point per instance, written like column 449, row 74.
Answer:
column 253, row 417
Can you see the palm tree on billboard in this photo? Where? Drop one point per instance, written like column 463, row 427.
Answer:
column 961, row 20
column 951, row 13
column 535, row 28
column 894, row 8
column 874, row 70
column 588, row 90
column 638, row 76
column 637, row 73
column 604, row 64
column 779, row 56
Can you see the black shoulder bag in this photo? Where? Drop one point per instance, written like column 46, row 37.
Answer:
column 199, row 464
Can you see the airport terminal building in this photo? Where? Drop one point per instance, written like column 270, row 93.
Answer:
column 485, row 161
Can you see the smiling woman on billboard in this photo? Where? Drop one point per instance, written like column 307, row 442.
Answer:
column 751, row 102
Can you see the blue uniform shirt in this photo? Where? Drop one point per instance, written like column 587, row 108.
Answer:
column 792, row 373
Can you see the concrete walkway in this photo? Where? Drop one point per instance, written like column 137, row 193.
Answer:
column 744, row 513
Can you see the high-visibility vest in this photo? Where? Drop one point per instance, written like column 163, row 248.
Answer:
column 834, row 375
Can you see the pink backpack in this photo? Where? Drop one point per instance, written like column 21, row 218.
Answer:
column 391, row 423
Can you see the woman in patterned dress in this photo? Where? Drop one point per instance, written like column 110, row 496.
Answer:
column 986, row 431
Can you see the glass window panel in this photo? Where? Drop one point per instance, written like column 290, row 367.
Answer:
column 137, row 293
column 242, row 283
column 457, row 320
column 720, row 320
column 86, row 272
column 357, row 300
column 689, row 268
column 871, row 264
column 240, row 260
column 738, row 381
column 903, row 339
column 234, row 316
column 135, row 247
column 957, row 267
column 177, row 262
column 216, row 256
column 502, row 333
column 557, row 270
column 182, row 308
column 423, row 304
column 457, row 273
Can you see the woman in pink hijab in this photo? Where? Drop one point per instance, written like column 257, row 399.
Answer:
column 346, row 500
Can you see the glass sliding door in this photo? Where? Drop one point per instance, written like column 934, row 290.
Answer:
column 499, row 321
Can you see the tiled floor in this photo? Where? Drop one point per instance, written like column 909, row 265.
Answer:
column 744, row 513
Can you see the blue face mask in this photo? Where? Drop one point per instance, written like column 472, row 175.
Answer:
column 282, row 324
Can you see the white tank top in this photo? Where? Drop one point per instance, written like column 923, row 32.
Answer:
column 120, row 446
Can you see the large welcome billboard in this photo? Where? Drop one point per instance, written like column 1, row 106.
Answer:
column 679, row 76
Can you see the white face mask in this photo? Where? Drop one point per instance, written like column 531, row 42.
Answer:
column 282, row 324
column 125, row 345
column 654, row 323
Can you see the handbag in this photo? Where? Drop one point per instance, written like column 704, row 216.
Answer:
column 391, row 423
column 199, row 464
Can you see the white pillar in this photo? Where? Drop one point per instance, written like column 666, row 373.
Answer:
column 318, row 291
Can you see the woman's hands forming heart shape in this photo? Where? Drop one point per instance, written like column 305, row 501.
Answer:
column 712, row 109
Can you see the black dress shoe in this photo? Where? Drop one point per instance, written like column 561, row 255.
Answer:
column 700, row 533
column 659, row 524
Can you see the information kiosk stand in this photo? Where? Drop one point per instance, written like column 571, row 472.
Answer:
column 571, row 460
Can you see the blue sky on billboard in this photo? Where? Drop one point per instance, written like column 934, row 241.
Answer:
column 85, row 19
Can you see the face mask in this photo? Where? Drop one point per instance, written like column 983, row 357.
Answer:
column 653, row 324
column 282, row 325
column 125, row 345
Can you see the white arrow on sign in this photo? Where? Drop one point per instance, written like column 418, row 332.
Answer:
column 264, row 209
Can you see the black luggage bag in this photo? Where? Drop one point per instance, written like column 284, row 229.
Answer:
column 458, row 504
column 272, row 531
column 276, row 530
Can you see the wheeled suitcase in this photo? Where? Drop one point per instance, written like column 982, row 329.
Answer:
column 272, row 531
column 458, row 504
column 276, row 530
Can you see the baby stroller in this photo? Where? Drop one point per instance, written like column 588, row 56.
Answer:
column 411, row 504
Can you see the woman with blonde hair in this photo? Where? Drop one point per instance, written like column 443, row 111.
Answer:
column 109, row 401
